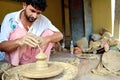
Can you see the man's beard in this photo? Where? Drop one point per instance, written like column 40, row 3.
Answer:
column 30, row 19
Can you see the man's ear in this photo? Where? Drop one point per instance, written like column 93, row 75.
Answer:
column 24, row 5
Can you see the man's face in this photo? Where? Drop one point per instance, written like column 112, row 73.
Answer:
column 31, row 13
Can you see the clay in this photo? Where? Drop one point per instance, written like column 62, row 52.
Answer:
column 42, row 69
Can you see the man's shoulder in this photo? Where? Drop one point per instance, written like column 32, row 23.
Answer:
column 12, row 14
column 43, row 18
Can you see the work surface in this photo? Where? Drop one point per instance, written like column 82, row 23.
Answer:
column 84, row 67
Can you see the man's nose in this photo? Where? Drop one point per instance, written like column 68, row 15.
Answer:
column 35, row 15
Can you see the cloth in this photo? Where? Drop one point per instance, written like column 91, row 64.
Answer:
column 2, row 56
column 26, row 54
column 12, row 21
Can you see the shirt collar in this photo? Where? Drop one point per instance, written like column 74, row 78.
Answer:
column 17, row 17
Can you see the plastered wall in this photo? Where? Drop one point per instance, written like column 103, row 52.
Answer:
column 54, row 12
column 7, row 7
column 101, row 15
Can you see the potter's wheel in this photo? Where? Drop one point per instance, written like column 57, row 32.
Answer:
column 45, row 71
column 111, row 60
column 32, row 72
column 69, row 73
column 42, row 69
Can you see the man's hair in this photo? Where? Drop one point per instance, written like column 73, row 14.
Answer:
column 38, row 4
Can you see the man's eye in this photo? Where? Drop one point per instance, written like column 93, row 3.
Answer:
column 38, row 12
column 32, row 11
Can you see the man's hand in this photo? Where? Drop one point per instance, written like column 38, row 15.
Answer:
column 30, row 40
column 43, row 41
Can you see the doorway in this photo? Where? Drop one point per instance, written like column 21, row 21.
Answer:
column 77, row 20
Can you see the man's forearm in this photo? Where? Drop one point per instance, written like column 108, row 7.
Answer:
column 57, row 36
column 9, row 46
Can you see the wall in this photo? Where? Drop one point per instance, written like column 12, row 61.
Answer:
column 101, row 14
column 6, row 7
column 117, row 20
column 53, row 11
column 77, row 19
column 87, row 18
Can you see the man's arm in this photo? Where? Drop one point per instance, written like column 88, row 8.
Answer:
column 9, row 46
column 57, row 36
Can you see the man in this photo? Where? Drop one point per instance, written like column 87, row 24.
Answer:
column 23, row 32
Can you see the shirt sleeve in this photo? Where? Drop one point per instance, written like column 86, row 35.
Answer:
column 48, row 24
column 52, row 27
column 5, row 29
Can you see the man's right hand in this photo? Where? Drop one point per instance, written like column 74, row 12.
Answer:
column 30, row 40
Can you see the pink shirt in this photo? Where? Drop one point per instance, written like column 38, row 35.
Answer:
column 26, row 54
